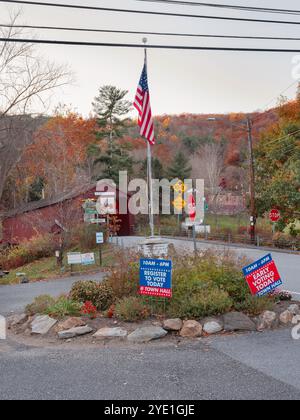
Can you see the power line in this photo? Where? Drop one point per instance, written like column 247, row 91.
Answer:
column 153, row 13
column 113, row 31
column 123, row 45
column 281, row 139
column 225, row 6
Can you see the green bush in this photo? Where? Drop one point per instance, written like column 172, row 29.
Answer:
column 254, row 305
column 100, row 294
column 132, row 309
column 63, row 307
column 212, row 284
column 207, row 302
column 40, row 305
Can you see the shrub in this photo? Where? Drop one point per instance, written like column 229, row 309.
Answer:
column 28, row 251
column 131, row 309
column 63, row 307
column 254, row 305
column 205, row 302
column 99, row 294
column 124, row 279
column 89, row 309
column 83, row 236
column 40, row 305
column 212, row 284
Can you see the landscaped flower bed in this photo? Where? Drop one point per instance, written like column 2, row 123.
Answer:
column 210, row 296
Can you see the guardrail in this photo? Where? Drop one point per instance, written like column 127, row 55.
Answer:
column 228, row 238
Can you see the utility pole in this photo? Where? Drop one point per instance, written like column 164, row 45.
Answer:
column 252, row 182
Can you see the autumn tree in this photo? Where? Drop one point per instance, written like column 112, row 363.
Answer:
column 278, row 166
column 57, row 157
column 26, row 81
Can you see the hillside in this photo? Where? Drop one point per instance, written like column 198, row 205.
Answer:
column 66, row 146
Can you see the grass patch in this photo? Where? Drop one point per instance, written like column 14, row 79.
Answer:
column 46, row 268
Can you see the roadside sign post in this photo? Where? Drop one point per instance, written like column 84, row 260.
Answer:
column 100, row 241
column 262, row 276
column 156, row 278
column 274, row 217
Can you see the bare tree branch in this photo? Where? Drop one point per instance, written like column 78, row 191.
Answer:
column 26, row 81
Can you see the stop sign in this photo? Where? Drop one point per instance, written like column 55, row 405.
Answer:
column 274, row 215
column 192, row 208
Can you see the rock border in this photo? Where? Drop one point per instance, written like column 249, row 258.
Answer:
column 41, row 325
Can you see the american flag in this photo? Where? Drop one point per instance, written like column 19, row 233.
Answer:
column 142, row 104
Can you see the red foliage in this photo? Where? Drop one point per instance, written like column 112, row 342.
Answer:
column 89, row 309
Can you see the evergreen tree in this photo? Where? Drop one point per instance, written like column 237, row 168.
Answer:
column 180, row 167
column 157, row 168
column 35, row 192
column 111, row 109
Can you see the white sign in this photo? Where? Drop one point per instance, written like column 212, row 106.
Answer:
column 99, row 238
column 106, row 205
column 2, row 328
column 74, row 258
column 88, row 259
column 98, row 221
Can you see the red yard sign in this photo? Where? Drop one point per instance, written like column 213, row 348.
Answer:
column 262, row 276
column 274, row 215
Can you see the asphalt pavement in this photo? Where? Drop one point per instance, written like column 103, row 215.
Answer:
column 14, row 298
column 247, row 367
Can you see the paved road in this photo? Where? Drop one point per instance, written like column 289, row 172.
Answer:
column 253, row 366
column 288, row 264
column 14, row 298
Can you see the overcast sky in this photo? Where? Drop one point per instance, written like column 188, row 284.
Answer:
column 180, row 81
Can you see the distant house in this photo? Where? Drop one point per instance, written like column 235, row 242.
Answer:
column 228, row 203
column 54, row 215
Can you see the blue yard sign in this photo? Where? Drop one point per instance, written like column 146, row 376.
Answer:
column 156, row 278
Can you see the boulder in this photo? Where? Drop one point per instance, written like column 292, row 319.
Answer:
column 191, row 329
column 266, row 321
column 294, row 309
column 237, row 321
column 146, row 334
column 212, row 327
column 41, row 325
column 71, row 323
column 15, row 320
column 173, row 324
column 296, row 320
column 108, row 333
column 74, row 332
column 286, row 317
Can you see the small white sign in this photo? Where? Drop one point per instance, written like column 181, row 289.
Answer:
column 2, row 328
column 74, row 258
column 88, row 259
column 99, row 238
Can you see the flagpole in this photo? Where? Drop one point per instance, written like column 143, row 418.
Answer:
column 149, row 169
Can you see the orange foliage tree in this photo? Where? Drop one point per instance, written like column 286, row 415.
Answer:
column 59, row 153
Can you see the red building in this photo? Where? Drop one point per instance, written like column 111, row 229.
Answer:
column 51, row 216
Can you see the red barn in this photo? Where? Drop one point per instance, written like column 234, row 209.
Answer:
column 50, row 216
